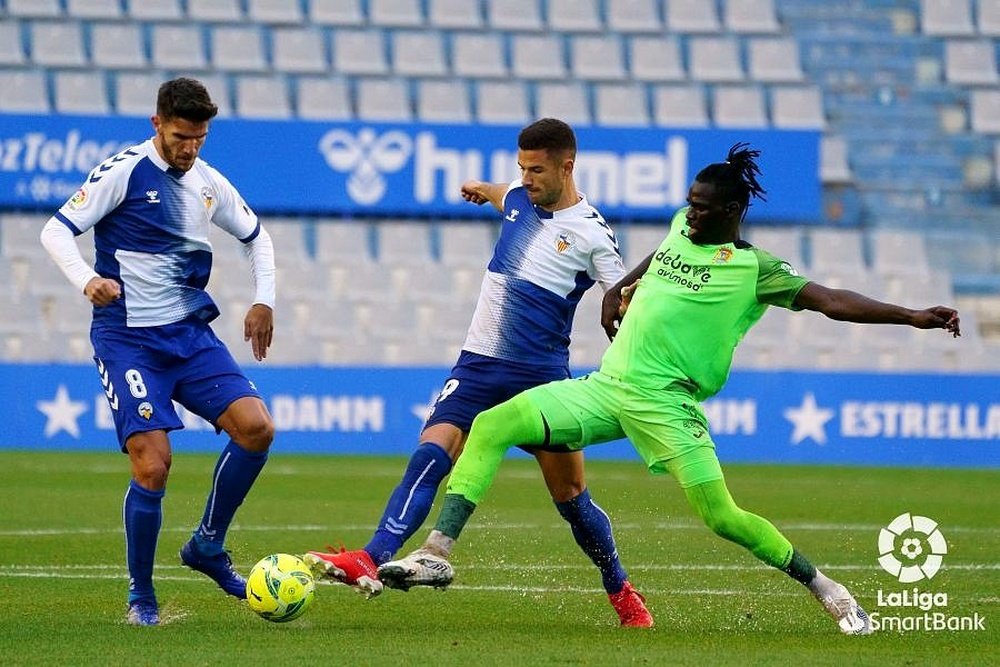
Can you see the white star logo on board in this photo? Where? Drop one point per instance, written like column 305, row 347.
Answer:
column 809, row 420
column 62, row 413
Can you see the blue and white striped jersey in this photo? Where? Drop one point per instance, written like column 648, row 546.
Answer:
column 542, row 264
column 151, row 225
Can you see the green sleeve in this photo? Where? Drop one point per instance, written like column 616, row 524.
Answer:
column 778, row 283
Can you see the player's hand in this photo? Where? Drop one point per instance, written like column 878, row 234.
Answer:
column 613, row 308
column 938, row 317
column 258, row 328
column 475, row 192
column 102, row 291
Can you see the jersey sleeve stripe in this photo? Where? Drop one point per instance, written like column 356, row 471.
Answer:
column 253, row 234
column 66, row 221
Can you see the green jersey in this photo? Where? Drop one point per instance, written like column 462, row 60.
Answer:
column 692, row 307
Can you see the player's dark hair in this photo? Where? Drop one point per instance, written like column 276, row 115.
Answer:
column 185, row 98
column 548, row 134
column 736, row 178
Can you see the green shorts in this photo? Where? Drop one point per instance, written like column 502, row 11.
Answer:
column 667, row 427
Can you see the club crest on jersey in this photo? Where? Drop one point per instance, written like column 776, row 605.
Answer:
column 145, row 410
column 152, row 196
column 207, row 196
column 77, row 201
column 564, row 242
column 722, row 255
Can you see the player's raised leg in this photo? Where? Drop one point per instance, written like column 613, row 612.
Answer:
column 713, row 503
column 248, row 423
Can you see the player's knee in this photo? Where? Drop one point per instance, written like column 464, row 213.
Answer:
column 564, row 491
column 727, row 525
column 254, row 434
column 151, row 473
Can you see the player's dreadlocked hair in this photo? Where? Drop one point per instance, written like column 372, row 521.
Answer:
column 736, row 178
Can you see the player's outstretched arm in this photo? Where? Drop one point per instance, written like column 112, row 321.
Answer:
column 616, row 299
column 848, row 306
column 479, row 192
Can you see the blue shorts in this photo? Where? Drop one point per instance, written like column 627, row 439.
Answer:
column 478, row 383
column 144, row 369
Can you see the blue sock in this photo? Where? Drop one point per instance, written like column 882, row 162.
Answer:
column 592, row 530
column 234, row 474
column 142, row 514
column 410, row 502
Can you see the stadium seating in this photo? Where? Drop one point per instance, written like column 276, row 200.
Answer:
column 906, row 95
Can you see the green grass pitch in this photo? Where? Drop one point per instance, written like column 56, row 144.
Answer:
column 523, row 595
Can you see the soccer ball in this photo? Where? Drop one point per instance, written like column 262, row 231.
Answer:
column 280, row 588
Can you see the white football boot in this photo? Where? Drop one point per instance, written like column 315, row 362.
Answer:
column 850, row 617
column 420, row 568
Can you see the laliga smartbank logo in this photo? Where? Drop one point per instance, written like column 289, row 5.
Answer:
column 911, row 549
column 918, row 542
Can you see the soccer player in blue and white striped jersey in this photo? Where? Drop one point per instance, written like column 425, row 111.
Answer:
column 553, row 246
column 150, row 207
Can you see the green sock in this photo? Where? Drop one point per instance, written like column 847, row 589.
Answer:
column 454, row 515
column 800, row 569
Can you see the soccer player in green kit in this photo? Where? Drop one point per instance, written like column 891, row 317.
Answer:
column 699, row 293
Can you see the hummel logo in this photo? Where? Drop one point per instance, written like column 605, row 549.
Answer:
column 513, row 215
column 152, row 197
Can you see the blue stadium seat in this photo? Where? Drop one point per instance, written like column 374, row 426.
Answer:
column 715, row 59
column 383, row 99
column 797, row 108
column 237, row 49
column 946, row 18
column 691, row 16
column 359, row 51
column 774, row 60
column 118, row 46
column 656, row 59
column 739, row 106
column 154, row 10
column 215, row 11
column 323, row 98
column 262, row 97
column 11, row 44
column 336, row 12
column 538, row 56
column 418, row 53
column 78, row 92
column 750, row 16
column 444, row 101
column 453, row 14
column 621, row 105
column 634, row 16
column 275, row 12
column 299, row 50
column 57, row 44
column 680, row 106
column 396, row 13
column 94, row 9
column 178, row 47
column 597, row 58
column 24, row 91
column 502, row 102
column 479, row 55
column 574, row 16
column 566, row 100
column 515, row 15
column 34, row 8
